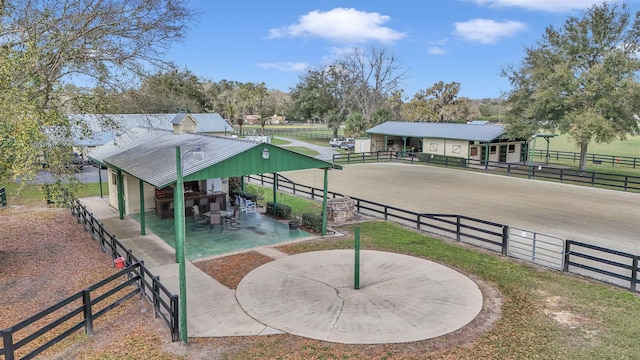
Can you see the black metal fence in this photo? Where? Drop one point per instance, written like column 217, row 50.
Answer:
column 81, row 309
column 597, row 263
column 165, row 304
column 540, row 172
column 597, row 159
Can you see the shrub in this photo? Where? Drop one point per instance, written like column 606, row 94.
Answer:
column 283, row 211
column 312, row 221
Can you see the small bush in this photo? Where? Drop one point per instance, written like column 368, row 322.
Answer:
column 283, row 211
column 312, row 221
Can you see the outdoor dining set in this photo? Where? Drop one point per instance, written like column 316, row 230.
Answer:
column 223, row 219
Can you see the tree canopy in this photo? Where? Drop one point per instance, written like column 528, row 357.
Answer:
column 580, row 79
column 107, row 44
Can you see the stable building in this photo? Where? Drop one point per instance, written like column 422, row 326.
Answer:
column 476, row 141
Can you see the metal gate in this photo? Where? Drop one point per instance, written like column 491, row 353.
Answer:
column 538, row 248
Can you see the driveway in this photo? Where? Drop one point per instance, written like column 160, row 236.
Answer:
column 602, row 217
column 326, row 152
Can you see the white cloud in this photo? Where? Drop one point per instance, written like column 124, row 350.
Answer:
column 336, row 53
column 436, row 50
column 341, row 25
column 543, row 5
column 487, row 31
column 285, row 66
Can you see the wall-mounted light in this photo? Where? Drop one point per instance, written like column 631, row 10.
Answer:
column 265, row 153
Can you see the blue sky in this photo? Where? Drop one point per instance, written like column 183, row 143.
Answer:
column 273, row 41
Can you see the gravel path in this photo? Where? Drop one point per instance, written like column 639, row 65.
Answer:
column 602, row 217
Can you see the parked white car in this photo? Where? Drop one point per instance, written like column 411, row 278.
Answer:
column 343, row 143
column 335, row 142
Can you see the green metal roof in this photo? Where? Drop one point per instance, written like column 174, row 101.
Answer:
column 150, row 155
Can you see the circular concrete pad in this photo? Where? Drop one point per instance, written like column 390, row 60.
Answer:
column 401, row 298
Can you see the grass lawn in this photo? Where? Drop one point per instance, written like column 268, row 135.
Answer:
column 33, row 195
column 629, row 147
column 276, row 141
column 303, row 150
column 545, row 314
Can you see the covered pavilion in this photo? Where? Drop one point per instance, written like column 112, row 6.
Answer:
column 144, row 161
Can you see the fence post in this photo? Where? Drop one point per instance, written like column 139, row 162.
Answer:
column 418, row 221
column 626, row 181
column 174, row 315
column 7, row 339
column 142, row 290
column 634, row 274
column 505, row 239
column 358, row 204
column 457, row 227
column 88, row 314
column 385, row 212
column 154, row 295
column 348, row 158
column 377, row 156
column 593, row 179
column 567, row 252
column 313, row 193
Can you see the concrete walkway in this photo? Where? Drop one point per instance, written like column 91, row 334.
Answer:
column 402, row 298
column 212, row 308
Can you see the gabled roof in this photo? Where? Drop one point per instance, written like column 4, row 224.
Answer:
column 150, row 155
column 439, row 130
column 205, row 123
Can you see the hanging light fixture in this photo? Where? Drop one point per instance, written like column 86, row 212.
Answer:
column 265, row 153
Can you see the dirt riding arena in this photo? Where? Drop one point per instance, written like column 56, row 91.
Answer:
column 601, row 217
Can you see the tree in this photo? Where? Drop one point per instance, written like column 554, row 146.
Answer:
column 166, row 92
column 361, row 82
column 580, row 79
column 439, row 103
column 47, row 43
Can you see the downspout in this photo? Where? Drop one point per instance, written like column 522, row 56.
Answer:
column 100, row 178
column 120, row 194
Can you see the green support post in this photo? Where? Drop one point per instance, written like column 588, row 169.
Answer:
column 404, row 144
column 356, row 269
column 178, row 217
column 143, row 230
column 324, row 202
column 275, row 195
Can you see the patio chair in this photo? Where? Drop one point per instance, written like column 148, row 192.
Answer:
column 233, row 222
column 200, row 221
column 215, row 207
column 216, row 220
column 249, row 206
column 204, row 204
column 240, row 201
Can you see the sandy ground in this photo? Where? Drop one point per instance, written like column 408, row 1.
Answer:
column 601, row 217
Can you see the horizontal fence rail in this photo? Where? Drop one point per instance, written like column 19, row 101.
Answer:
column 95, row 300
column 541, row 249
column 603, row 264
column 597, row 159
column 535, row 172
